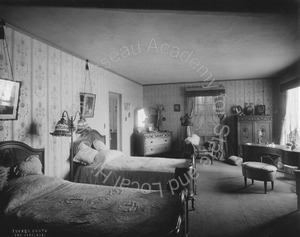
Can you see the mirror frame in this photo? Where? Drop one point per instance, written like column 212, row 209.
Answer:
column 149, row 111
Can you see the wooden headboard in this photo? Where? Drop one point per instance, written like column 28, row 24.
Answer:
column 14, row 152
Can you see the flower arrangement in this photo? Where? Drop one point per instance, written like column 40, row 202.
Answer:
column 292, row 137
column 259, row 136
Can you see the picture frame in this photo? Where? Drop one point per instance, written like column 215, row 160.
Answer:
column 87, row 104
column 177, row 107
column 9, row 99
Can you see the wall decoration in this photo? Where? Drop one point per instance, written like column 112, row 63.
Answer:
column 126, row 106
column 177, row 107
column 260, row 109
column 9, row 89
column 87, row 104
column 87, row 100
column 9, row 99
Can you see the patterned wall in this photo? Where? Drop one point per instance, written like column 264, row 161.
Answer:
column 51, row 82
column 238, row 92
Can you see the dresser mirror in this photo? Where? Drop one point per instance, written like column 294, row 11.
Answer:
column 146, row 119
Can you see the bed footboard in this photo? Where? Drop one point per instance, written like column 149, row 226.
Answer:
column 186, row 180
column 182, row 227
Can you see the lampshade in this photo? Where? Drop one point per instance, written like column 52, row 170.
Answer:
column 186, row 120
column 61, row 128
column 82, row 125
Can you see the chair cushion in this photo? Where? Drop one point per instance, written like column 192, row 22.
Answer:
column 251, row 165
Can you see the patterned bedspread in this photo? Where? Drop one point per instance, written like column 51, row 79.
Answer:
column 73, row 209
column 113, row 168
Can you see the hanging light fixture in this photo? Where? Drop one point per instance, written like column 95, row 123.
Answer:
column 9, row 89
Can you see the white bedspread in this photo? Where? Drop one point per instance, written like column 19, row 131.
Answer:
column 113, row 168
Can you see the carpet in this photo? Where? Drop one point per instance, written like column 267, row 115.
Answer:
column 224, row 207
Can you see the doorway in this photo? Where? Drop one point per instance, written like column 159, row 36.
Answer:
column 115, row 121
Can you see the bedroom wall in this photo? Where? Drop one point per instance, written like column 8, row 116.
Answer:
column 257, row 91
column 51, row 82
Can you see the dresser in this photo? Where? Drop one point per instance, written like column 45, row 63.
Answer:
column 152, row 143
column 248, row 128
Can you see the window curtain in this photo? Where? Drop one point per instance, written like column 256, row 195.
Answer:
column 291, row 121
column 190, row 103
column 205, row 118
column 202, row 107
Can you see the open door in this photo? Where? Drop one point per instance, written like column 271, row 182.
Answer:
column 115, row 121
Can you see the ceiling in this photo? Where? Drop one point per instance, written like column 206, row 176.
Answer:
column 163, row 43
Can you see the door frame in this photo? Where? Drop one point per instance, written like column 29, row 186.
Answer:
column 117, row 96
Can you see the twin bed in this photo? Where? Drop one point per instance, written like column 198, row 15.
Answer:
column 36, row 203
column 114, row 168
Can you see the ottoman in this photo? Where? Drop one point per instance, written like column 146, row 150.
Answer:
column 259, row 171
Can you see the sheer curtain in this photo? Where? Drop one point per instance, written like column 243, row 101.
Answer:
column 205, row 118
column 291, row 123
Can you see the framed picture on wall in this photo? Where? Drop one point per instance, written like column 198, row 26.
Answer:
column 9, row 99
column 87, row 104
column 177, row 107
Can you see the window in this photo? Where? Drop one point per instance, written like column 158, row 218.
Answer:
column 207, row 113
column 291, row 125
column 205, row 118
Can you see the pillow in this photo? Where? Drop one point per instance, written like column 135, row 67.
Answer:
column 3, row 176
column 85, row 155
column 194, row 139
column 99, row 145
column 84, row 142
column 235, row 160
column 31, row 166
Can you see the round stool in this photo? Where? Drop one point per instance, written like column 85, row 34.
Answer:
column 259, row 171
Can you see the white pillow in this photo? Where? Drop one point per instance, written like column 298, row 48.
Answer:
column 194, row 139
column 85, row 155
column 99, row 145
column 31, row 166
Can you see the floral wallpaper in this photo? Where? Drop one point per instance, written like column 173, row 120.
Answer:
column 51, row 81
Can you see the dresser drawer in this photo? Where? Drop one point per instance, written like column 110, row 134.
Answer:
column 147, row 144
column 270, row 151
column 157, row 140
column 157, row 149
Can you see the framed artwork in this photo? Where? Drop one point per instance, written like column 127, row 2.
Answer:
column 177, row 107
column 87, row 104
column 9, row 99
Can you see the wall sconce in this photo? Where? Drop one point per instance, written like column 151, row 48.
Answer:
column 65, row 127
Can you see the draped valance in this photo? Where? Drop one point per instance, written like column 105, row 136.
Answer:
column 204, row 91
